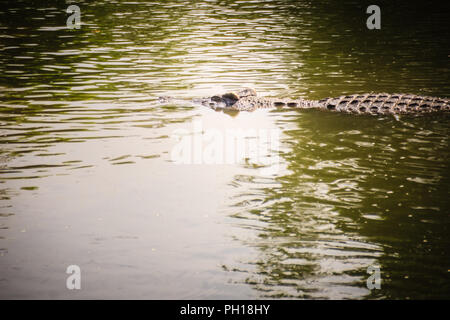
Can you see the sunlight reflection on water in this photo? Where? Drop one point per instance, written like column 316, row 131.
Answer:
column 87, row 176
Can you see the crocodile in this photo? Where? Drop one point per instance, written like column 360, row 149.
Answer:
column 367, row 103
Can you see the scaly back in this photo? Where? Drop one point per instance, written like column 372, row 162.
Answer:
column 368, row 103
column 383, row 103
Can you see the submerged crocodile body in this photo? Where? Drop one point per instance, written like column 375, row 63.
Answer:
column 368, row 103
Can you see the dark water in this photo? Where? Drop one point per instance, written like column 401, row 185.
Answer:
column 88, row 177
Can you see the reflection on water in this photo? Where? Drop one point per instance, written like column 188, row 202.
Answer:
column 86, row 174
column 357, row 193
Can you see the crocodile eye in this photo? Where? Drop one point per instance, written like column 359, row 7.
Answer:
column 279, row 104
column 230, row 98
column 292, row 104
column 216, row 98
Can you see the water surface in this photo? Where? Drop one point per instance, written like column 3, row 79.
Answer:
column 88, row 177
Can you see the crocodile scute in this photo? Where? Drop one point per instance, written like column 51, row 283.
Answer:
column 366, row 103
column 383, row 103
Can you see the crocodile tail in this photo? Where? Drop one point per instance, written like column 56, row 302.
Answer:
column 383, row 103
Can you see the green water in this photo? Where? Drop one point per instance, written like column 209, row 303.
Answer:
column 88, row 177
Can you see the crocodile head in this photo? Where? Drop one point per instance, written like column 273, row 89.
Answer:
column 228, row 99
